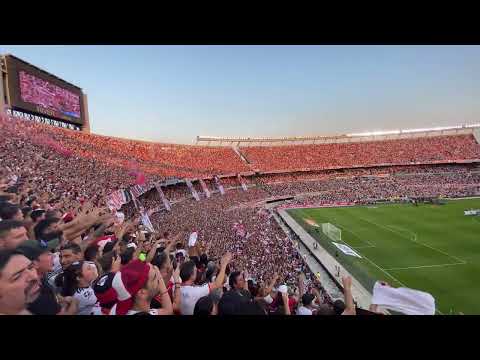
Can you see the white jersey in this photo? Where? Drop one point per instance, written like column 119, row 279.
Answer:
column 87, row 302
column 190, row 295
column 302, row 310
column 113, row 311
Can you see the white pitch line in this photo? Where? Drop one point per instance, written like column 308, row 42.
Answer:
column 424, row 266
column 428, row 246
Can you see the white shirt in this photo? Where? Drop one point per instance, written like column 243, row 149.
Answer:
column 302, row 310
column 113, row 311
column 190, row 295
column 87, row 302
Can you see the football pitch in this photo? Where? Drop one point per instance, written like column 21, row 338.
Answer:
column 433, row 248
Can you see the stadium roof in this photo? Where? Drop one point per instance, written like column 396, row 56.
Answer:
column 337, row 137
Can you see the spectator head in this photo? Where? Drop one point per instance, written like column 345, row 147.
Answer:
column 32, row 202
column 5, row 198
column 188, row 272
column 205, row 306
column 253, row 288
column 109, row 246
column 250, row 308
column 69, row 254
column 229, row 304
column 79, row 274
column 339, row 307
column 12, row 234
column 162, row 261
column 236, row 280
column 325, row 310
column 40, row 252
column 136, row 284
column 37, row 215
column 26, row 211
column 19, row 284
column 90, row 253
column 204, row 259
column 307, row 299
column 53, row 214
column 45, row 227
column 110, row 262
column 127, row 255
column 10, row 212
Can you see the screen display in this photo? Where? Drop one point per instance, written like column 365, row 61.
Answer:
column 32, row 90
column 52, row 97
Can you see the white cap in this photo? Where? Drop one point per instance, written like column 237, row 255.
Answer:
column 283, row 289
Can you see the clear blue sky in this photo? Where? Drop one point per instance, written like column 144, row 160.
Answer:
column 173, row 93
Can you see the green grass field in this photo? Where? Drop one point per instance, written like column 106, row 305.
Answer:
column 434, row 248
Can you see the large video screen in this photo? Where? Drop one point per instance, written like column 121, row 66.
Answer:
column 35, row 91
column 40, row 92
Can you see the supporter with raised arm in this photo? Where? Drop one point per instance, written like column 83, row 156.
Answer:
column 347, row 292
column 191, row 293
column 136, row 285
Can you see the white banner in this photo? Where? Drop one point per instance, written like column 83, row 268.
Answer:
column 147, row 223
column 192, row 189
column 219, row 185
column 471, row 212
column 205, row 188
column 192, row 239
column 346, row 249
column 240, row 179
column 166, row 203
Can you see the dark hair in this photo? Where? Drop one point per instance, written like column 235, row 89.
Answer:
column 6, row 255
column 160, row 259
column 51, row 214
column 8, row 211
column 76, row 249
column 229, row 304
column 7, row 225
column 179, row 246
column 36, row 214
column 126, row 238
column 40, row 228
column 127, row 256
column 30, row 201
column 204, row 259
column 338, row 307
column 307, row 299
column 106, row 261
column 204, row 306
column 69, row 281
column 5, row 198
column 90, row 253
column 186, row 270
column 250, row 308
column 252, row 288
column 109, row 246
column 232, row 280
column 26, row 210
column 196, row 260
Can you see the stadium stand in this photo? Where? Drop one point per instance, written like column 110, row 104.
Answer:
column 242, row 263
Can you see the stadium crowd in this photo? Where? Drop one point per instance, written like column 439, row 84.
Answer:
column 393, row 152
column 63, row 252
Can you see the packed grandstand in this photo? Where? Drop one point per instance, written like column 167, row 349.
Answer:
column 118, row 226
